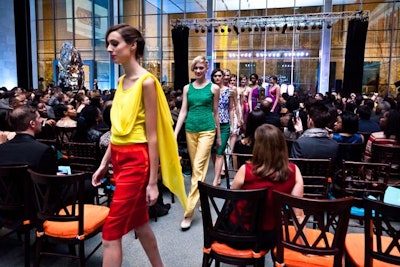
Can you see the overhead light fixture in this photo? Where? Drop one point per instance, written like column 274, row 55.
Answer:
column 277, row 28
column 249, row 29
column 242, row 29
column 284, row 28
column 329, row 26
column 215, row 29
column 209, row 29
column 196, row 30
column 263, row 28
column 270, row 28
column 291, row 27
column 203, row 30
column 222, row 29
column 305, row 27
column 313, row 27
column 229, row 29
column 256, row 28
column 320, row 26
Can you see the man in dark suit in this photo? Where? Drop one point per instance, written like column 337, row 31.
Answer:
column 270, row 117
column 23, row 148
column 315, row 142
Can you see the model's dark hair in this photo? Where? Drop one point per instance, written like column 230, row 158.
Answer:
column 215, row 71
column 130, row 36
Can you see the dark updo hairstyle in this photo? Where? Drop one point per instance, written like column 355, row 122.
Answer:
column 215, row 71
column 130, row 36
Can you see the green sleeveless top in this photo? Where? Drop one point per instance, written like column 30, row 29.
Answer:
column 200, row 115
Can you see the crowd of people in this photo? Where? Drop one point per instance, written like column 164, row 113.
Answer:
column 227, row 113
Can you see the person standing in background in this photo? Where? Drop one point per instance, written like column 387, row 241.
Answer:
column 225, row 113
column 200, row 109
column 274, row 93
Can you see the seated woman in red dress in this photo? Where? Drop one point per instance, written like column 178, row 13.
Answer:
column 269, row 168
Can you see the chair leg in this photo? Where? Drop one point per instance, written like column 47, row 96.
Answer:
column 206, row 260
column 82, row 259
column 37, row 251
column 27, row 250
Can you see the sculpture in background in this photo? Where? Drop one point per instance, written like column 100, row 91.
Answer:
column 71, row 74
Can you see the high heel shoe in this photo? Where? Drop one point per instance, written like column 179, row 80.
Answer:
column 186, row 223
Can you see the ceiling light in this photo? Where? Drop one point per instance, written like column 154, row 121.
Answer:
column 203, row 30
column 291, row 27
column 249, row 29
column 270, row 28
column 298, row 27
column 277, row 28
column 196, row 30
column 314, row 27
column 222, row 29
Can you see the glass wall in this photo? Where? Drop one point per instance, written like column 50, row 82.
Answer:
column 294, row 56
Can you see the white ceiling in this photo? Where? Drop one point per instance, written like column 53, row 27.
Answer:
column 200, row 6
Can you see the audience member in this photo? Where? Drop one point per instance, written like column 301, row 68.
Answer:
column 245, row 145
column 270, row 117
column 68, row 116
column 365, row 124
column 23, row 148
column 86, row 125
column 315, row 141
column 390, row 123
column 346, row 128
column 269, row 168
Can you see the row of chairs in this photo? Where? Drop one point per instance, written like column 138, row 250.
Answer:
column 298, row 244
column 60, row 216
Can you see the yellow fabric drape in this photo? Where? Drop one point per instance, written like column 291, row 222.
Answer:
column 171, row 168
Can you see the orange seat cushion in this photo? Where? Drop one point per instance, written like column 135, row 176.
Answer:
column 293, row 258
column 355, row 249
column 225, row 250
column 94, row 217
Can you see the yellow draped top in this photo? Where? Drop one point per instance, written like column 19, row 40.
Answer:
column 128, row 126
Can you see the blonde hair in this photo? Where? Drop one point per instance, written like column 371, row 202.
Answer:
column 199, row 59
column 270, row 155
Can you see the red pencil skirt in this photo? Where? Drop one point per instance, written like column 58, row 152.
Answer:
column 128, row 208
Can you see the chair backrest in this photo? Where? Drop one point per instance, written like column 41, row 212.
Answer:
column 385, row 154
column 14, row 192
column 361, row 179
column 316, row 175
column 64, row 135
column 58, row 198
column 350, row 152
column 232, row 162
column 330, row 217
column 381, row 225
column 220, row 205
column 83, row 156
